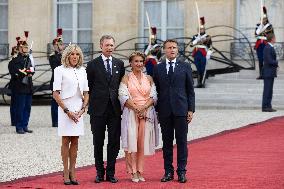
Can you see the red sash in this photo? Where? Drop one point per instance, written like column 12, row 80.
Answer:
column 202, row 50
column 259, row 42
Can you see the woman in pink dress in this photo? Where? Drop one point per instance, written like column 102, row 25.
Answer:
column 139, row 128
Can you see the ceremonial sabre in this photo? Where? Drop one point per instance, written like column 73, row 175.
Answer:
column 198, row 17
column 150, row 33
column 204, row 74
column 32, row 45
column 261, row 11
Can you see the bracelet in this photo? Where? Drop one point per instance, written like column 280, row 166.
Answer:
column 66, row 110
column 83, row 108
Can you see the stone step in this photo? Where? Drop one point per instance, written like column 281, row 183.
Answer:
column 237, row 96
column 238, row 90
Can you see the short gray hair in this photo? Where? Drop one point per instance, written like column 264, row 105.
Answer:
column 106, row 37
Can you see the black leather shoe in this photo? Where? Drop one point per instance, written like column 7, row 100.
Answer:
column 259, row 77
column 111, row 179
column 269, row 110
column 67, row 183
column 182, row 178
column 55, row 125
column 28, row 131
column 73, row 182
column 99, row 179
column 167, row 177
column 20, row 132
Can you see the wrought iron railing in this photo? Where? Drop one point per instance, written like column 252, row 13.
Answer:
column 87, row 49
column 143, row 46
column 240, row 51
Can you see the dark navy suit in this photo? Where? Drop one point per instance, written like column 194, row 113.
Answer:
column 269, row 72
column 175, row 98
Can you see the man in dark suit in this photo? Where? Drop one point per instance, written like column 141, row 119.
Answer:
column 104, row 76
column 175, row 106
column 269, row 72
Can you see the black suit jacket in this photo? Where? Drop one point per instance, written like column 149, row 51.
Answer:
column 20, row 62
column 54, row 61
column 270, row 63
column 176, row 95
column 101, row 90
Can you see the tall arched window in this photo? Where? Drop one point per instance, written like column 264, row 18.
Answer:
column 4, row 29
column 166, row 15
column 75, row 17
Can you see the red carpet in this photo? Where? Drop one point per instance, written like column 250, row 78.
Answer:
column 251, row 157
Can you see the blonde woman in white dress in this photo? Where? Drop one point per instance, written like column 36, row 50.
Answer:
column 70, row 90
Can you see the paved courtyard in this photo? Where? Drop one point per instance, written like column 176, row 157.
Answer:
column 39, row 153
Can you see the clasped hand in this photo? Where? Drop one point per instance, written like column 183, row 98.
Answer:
column 140, row 111
column 75, row 116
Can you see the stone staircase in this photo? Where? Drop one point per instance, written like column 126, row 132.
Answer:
column 238, row 90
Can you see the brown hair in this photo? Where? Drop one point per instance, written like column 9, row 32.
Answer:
column 67, row 53
column 136, row 53
column 169, row 41
column 106, row 37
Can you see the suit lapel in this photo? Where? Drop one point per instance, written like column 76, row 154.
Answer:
column 164, row 70
column 102, row 67
column 114, row 69
column 176, row 70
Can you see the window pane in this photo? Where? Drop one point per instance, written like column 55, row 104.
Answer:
column 175, row 14
column 84, row 36
column 3, row 37
column 85, row 15
column 65, row 16
column 154, row 10
column 3, row 1
column 4, row 17
column 67, row 36
column 64, row 0
column 175, row 33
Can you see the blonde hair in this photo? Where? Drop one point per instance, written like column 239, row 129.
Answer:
column 136, row 53
column 67, row 53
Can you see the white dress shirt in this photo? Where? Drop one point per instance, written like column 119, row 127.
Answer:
column 168, row 64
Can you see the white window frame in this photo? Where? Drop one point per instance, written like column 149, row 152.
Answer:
column 75, row 24
column 5, row 30
column 163, row 28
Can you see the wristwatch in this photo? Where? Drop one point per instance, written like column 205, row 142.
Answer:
column 66, row 110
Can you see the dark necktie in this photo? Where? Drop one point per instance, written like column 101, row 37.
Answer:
column 108, row 69
column 171, row 70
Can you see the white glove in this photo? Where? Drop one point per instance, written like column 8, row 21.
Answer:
column 208, row 55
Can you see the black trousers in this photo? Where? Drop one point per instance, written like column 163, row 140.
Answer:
column 169, row 126
column 267, row 93
column 112, row 122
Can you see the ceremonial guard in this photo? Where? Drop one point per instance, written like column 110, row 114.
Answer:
column 152, row 52
column 202, row 51
column 55, row 61
column 22, row 70
column 261, row 31
column 14, row 54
